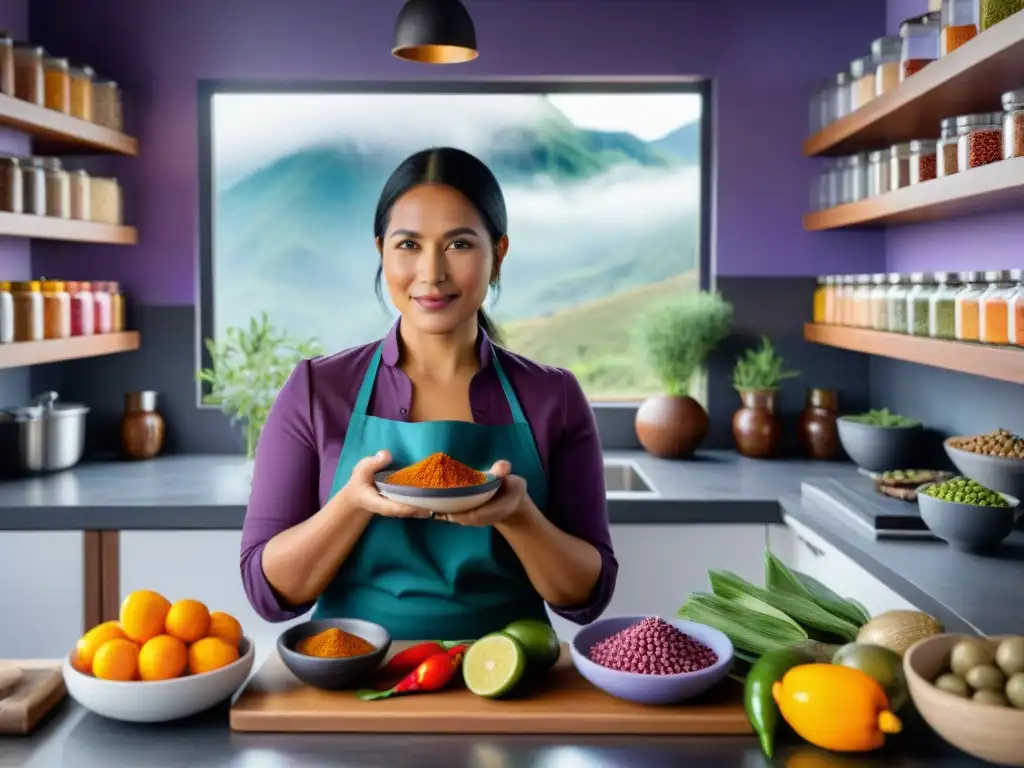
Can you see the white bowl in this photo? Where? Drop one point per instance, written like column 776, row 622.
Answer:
column 445, row 501
column 162, row 700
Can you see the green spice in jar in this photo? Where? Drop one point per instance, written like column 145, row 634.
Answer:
column 918, row 301
column 942, row 310
column 994, row 11
column 896, row 300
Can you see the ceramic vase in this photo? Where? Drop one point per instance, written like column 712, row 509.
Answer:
column 671, row 426
column 816, row 427
column 755, row 425
column 142, row 426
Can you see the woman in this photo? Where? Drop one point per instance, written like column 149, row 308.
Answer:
column 318, row 532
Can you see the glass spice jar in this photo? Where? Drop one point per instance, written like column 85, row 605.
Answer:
column 879, row 302
column 833, row 183
column 845, row 299
column 886, row 53
column 922, row 160
column 878, row 172
column 830, row 299
column 899, row 166
column 946, row 151
column 842, row 97
column 117, row 320
column 29, row 81
column 6, row 313
column 58, row 189
column 81, row 92
column 1016, row 312
column 993, row 306
column 919, row 47
column 862, row 82
column 33, row 189
column 959, row 24
column 11, row 185
column 57, row 85
column 56, row 310
column 896, row 298
column 28, row 310
column 966, row 308
column 103, row 317
column 856, row 180
column 818, row 301
column 918, row 300
column 105, row 200
column 1013, row 124
column 83, row 314
column 862, row 302
column 942, row 306
column 106, row 104
column 7, row 87
column 979, row 139
column 81, row 195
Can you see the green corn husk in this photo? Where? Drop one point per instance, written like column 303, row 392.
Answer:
column 753, row 626
column 800, row 609
column 778, row 577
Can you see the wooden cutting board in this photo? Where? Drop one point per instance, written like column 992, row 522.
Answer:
column 274, row 700
column 40, row 689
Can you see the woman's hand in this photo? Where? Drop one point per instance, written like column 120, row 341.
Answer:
column 510, row 500
column 360, row 492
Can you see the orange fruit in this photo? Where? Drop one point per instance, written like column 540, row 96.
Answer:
column 116, row 659
column 226, row 627
column 162, row 658
column 209, row 654
column 188, row 620
column 143, row 614
column 89, row 643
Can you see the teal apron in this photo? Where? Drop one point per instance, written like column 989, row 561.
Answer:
column 429, row 579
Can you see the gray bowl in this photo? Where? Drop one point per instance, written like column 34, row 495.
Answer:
column 878, row 449
column 995, row 472
column 334, row 674
column 967, row 527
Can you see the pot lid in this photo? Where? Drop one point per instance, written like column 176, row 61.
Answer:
column 44, row 406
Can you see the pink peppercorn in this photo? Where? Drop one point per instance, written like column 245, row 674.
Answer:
column 652, row 647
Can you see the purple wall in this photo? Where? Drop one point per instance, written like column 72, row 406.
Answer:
column 14, row 252
column 764, row 57
column 990, row 241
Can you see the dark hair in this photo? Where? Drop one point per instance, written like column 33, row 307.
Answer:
column 460, row 171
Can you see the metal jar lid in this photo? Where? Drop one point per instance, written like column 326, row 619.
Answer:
column 1013, row 100
column 860, row 67
column 878, row 156
column 886, row 47
column 842, row 78
column 923, row 145
column 45, row 407
column 980, row 118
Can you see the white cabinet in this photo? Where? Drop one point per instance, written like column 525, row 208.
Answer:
column 41, row 593
column 660, row 565
column 809, row 553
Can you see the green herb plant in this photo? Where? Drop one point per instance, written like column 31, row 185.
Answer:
column 760, row 369
column 679, row 334
column 882, row 417
column 250, row 365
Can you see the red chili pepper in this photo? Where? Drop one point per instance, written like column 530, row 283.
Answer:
column 406, row 661
column 432, row 675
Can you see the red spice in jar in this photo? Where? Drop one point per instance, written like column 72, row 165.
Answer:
column 984, row 147
column 1014, row 142
column 83, row 313
column 926, row 167
column 652, row 647
column 103, row 310
column 913, row 66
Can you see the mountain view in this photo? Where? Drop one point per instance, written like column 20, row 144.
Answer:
column 601, row 223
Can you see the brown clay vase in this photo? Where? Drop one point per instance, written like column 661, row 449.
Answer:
column 816, row 427
column 671, row 426
column 142, row 427
column 755, row 427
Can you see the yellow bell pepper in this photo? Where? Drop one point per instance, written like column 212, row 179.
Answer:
column 834, row 707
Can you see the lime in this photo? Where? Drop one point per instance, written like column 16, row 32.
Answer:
column 538, row 640
column 493, row 665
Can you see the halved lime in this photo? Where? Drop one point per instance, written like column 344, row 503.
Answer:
column 493, row 665
column 539, row 641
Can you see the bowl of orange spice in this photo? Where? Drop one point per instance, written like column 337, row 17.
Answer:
column 158, row 660
column 438, row 483
column 334, row 654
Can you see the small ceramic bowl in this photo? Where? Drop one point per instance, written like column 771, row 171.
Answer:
column 445, row 501
column 334, row 674
column 999, row 473
column 967, row 527
column 651, row 689
column 878, row 449
column 161, row 700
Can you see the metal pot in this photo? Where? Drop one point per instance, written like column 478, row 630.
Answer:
column 44, row 437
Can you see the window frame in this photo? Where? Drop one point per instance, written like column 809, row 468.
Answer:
column 615, row 417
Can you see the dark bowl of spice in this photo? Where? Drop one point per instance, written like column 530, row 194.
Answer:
column 995, row 460
column 334, row 654
column 438, row 483
column 880, row 440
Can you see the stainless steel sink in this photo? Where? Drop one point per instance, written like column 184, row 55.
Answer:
column 625, row 477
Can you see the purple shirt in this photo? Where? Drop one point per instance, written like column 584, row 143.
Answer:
column 301, row 442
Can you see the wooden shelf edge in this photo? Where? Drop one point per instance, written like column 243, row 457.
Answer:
column 71, row 230
column 985, row 50
column 985, row 189
column 25, row 353
column 58, row 128
column 999, row 363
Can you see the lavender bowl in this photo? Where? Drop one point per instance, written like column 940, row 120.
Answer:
column 651, row 689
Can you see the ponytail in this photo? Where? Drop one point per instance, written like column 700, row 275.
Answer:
column 489, row 326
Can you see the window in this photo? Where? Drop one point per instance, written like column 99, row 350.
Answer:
column 604, row 186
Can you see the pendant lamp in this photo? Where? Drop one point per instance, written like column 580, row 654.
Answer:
column 435, row 32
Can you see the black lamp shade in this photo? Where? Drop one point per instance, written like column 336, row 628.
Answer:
column 435, row 32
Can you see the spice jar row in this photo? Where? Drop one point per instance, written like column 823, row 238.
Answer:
column 984, row 307
column 30, row 73
column 43, row 187
column 869, row 174
column 34, row 310
column 921, row 40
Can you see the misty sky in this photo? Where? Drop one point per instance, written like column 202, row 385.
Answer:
column 250, row 130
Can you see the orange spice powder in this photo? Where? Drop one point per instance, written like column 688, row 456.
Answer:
column 334, row 643
column 438, row 470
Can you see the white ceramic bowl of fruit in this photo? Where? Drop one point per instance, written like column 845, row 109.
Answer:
column 158, row 661
column 970, row 690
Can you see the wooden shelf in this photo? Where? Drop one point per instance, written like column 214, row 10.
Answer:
column 970, row 79
column 24, row 353
column 1001, row 363
column 994, row 187
column 63, row 134
column 51, row 228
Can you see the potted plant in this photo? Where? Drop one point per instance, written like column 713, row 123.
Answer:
column 250, row 365
column 677, row 337
column 757, row 376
